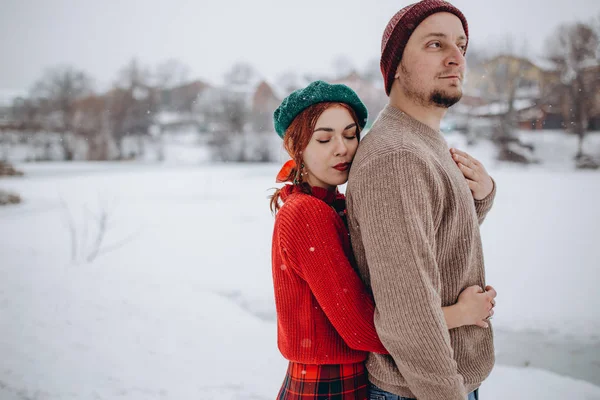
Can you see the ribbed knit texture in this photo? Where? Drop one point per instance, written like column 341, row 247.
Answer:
column 415, row 233
column 324, row 312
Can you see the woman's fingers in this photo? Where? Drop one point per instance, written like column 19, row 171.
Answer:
column 491, row 292
column 466, row 171
column 482, row 324
column 464, row 155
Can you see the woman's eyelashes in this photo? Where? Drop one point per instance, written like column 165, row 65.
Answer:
column 348, row 137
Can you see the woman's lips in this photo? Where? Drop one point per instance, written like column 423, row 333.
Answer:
column 342, row 166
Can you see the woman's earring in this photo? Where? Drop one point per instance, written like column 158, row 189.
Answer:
column 299, row 174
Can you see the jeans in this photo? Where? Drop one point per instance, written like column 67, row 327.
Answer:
column 376, row 393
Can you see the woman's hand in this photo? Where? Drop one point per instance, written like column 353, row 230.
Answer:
column 479, row 181
column 474, row 307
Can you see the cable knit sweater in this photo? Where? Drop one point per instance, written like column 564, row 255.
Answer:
column 324, row 312
column 415, row 233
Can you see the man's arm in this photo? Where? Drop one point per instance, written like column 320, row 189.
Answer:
column 395, row 197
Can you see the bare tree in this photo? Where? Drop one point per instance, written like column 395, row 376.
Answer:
column 132, row 104
column 227, row 110
column 240, row 73
column 573, row 48
column 505, row 73
column 234, row 101
column 171, row 73
column 26, row 114
column 93, row 124
column 55, row 95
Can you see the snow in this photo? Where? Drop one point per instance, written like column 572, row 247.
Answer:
column 529, row 383
column 178, row 303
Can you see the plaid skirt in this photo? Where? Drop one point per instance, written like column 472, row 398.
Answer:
column 325, row 382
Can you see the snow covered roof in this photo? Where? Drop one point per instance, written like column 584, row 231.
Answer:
column 543, row 63
column 500, row 108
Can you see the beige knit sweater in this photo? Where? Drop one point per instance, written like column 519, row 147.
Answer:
column 414, row 227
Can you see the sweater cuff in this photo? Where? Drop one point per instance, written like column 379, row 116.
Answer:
column 483, row 206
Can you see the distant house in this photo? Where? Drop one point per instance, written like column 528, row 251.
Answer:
column 183, row 97
column 176, row 111
column 539, row 100
column 529, row 84
column 493, row 79
column 264, row 102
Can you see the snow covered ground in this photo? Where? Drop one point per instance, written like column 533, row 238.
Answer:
column 177, row 302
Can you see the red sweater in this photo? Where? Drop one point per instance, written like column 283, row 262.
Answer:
column 324, row 312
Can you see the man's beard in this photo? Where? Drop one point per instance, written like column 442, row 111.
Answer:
column 437, row 98
column 444, row 100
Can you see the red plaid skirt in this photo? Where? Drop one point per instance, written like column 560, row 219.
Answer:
column 325, row 382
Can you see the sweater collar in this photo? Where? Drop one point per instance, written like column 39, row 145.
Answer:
column 431, row 136
column 328, row 196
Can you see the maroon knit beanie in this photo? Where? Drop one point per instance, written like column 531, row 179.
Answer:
column 401, row 26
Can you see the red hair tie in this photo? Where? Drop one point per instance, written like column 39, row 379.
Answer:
column 284, row 173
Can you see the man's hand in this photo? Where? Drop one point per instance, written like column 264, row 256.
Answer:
column 479, row 181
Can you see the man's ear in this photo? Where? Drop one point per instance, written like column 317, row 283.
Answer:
column 397, row 72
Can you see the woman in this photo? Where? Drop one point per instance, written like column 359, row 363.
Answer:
column 324, row 312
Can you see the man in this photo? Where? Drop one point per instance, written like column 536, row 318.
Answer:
column 414, row 212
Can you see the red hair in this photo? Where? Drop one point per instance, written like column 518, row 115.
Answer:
column 296, row 139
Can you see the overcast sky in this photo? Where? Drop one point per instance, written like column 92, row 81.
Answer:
column 274, row 36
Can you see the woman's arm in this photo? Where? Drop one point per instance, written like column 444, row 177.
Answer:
column 474, row 307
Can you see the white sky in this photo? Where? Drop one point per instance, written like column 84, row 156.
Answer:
column 100, row 37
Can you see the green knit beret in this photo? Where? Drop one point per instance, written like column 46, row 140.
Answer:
column 317, row 92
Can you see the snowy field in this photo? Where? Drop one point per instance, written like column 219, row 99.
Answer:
column 174, row 300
